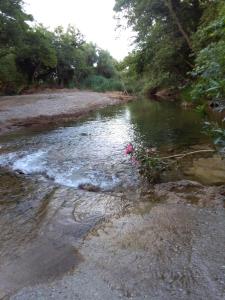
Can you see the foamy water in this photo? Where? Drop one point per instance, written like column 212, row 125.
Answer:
column 90, row 153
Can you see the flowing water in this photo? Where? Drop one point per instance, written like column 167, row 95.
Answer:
column 44, row 214
column 92, row 151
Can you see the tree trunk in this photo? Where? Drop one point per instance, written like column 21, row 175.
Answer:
column 178, row 23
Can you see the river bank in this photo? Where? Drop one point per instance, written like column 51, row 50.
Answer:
column 51, row 108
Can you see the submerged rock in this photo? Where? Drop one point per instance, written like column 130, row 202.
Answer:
column 89, row 187
column 217, row 106
column 210, row 170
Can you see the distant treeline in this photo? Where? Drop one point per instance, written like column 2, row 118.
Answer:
column 180, row 44
column 33, row 56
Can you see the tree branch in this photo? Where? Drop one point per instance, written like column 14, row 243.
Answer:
column 178, row 23
column 186, row 154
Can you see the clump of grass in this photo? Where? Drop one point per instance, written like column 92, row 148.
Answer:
column 101, row 84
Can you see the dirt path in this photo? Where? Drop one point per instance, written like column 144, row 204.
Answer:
column 51, row 108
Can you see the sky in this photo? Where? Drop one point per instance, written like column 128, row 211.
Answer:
column 94, row 18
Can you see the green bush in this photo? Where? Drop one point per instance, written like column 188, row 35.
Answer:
column 11, row 81
column 99, row 83
column 209, row 42
column 216, row 131
column 210, row 72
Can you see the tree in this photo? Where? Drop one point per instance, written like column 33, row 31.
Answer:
column 13, row 28
column 71, row 62
column 105, row 64
column 91, row 56
column 10, row 79
column 13, row 24
column 164, row 30
column 37, row 57
column 33, row 55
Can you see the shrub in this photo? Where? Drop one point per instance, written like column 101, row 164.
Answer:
column 11, row 81
column 99, row 83
column 209, row 42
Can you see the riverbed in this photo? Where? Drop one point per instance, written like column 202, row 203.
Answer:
column 124, row 239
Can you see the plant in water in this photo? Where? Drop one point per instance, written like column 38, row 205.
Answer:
column 202, row 109
column 150, row 165
column 129, row 149
column 216, row 131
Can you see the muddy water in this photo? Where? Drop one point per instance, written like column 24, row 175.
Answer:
column 45, row 217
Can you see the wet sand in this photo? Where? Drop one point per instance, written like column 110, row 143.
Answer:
column 36, row 110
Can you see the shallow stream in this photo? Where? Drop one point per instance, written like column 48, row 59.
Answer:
column 44, row 215
column 91, row 151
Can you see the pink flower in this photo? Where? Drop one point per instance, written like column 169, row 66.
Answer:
column 129, row 149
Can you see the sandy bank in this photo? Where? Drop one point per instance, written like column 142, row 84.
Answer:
column 51, row 107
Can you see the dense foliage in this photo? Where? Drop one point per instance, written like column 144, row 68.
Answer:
column 32, row 55
column 209, row 43
column 179, row 43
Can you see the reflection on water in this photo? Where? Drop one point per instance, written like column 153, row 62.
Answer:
column 92, row 150
column 165, row 125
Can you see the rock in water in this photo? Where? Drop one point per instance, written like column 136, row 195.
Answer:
column 89, row 187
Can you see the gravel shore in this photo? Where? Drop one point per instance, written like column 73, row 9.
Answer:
column 51, row 107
